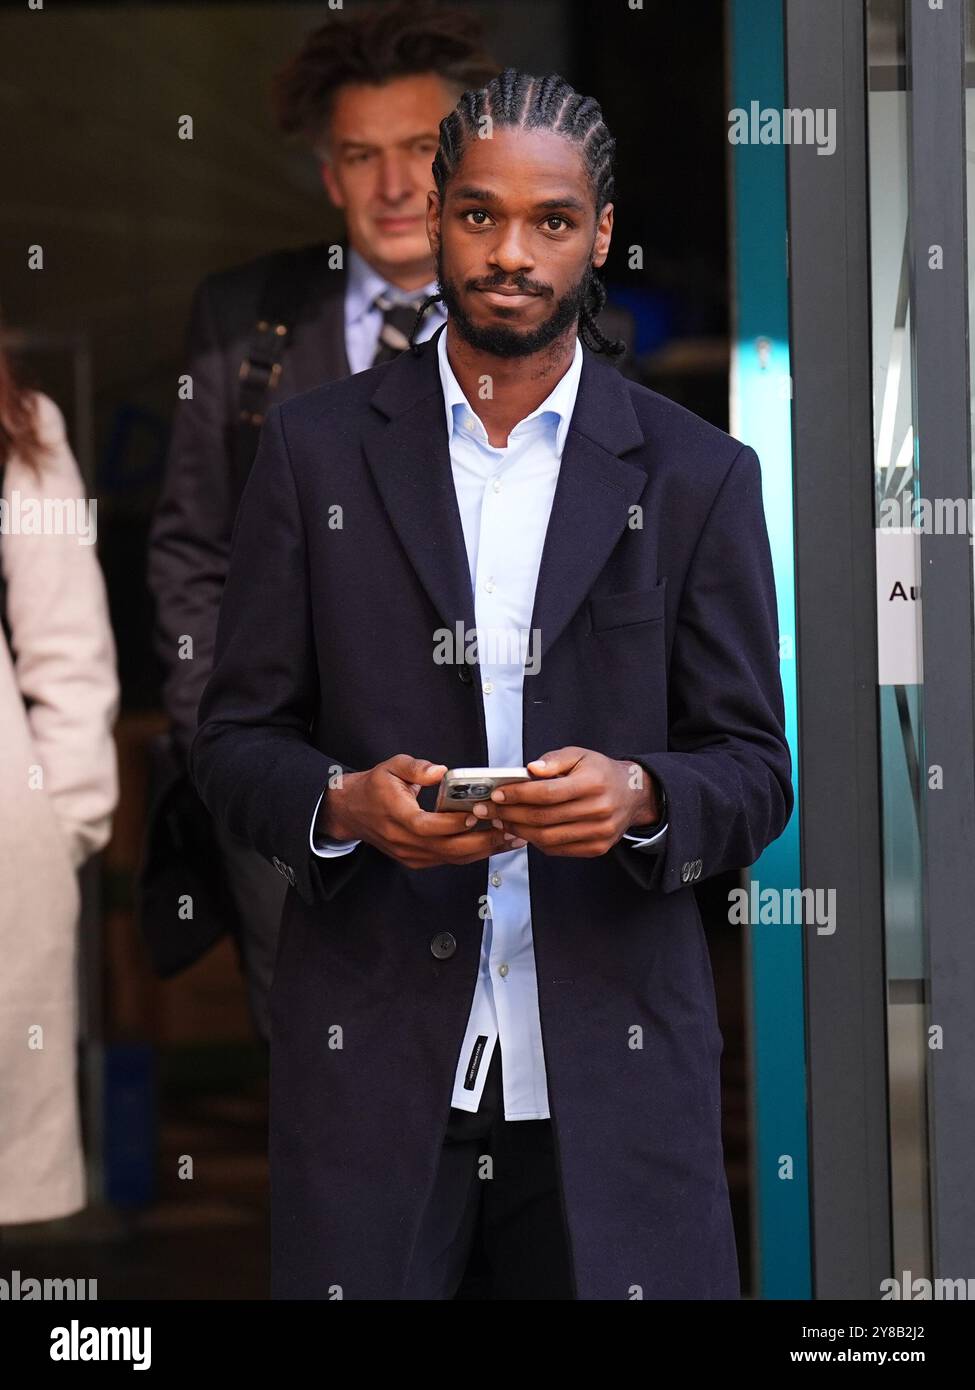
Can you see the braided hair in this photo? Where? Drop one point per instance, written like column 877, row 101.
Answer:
column 548, row 103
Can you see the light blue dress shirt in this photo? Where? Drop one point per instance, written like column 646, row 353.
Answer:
column 504, row 496
column 363, row 322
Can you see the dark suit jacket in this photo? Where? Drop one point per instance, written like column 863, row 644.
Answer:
column 657, row 643
column 189, row 539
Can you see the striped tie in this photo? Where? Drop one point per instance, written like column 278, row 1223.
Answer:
column 398, row 321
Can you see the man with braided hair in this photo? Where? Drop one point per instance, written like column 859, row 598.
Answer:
column 494, row 1047
column 366, row 92
column 545, row 105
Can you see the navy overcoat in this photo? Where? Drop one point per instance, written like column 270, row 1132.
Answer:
column 659, row 642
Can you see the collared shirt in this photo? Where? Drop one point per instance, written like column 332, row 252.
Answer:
column 505, row 497
column 363, row 322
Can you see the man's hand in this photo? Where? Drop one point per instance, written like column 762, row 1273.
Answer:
column 581, row 804
column 380, row 806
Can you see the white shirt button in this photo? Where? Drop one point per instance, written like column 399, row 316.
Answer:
column 503, row 969
column 470, row 422
column 496, row 880
column 496, row 484
column 489, row 585
column 487, row 687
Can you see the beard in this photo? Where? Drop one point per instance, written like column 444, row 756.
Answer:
column 498, row 339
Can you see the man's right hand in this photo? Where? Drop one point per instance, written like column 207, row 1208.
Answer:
column 381, row 807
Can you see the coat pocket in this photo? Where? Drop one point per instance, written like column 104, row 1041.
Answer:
column 608, row 611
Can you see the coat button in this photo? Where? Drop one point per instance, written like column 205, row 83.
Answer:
column 464, row 675
column 685, row 872
column 443, row 945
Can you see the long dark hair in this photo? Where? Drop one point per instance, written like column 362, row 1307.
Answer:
column 18, row 416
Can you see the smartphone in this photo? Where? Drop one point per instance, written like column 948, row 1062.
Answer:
column 463, row 787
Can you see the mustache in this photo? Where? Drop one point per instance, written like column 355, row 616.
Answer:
column 520, row 283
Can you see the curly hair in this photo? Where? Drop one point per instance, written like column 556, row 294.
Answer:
column 376, row 45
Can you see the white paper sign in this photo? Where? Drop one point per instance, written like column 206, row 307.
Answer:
column 898, row 607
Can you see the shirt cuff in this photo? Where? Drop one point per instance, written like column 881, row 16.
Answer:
column 643, row 841
column 328, row 849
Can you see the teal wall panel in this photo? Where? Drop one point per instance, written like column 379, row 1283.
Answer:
column 761, row 417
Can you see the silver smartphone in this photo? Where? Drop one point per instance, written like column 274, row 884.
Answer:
column 463, row 787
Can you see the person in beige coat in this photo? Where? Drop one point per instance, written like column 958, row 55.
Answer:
column 58, row 789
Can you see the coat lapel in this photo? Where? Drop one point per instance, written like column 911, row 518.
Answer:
column 407, row 452
column 595, row 490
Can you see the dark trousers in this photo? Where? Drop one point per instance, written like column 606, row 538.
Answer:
column 493, row 1228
